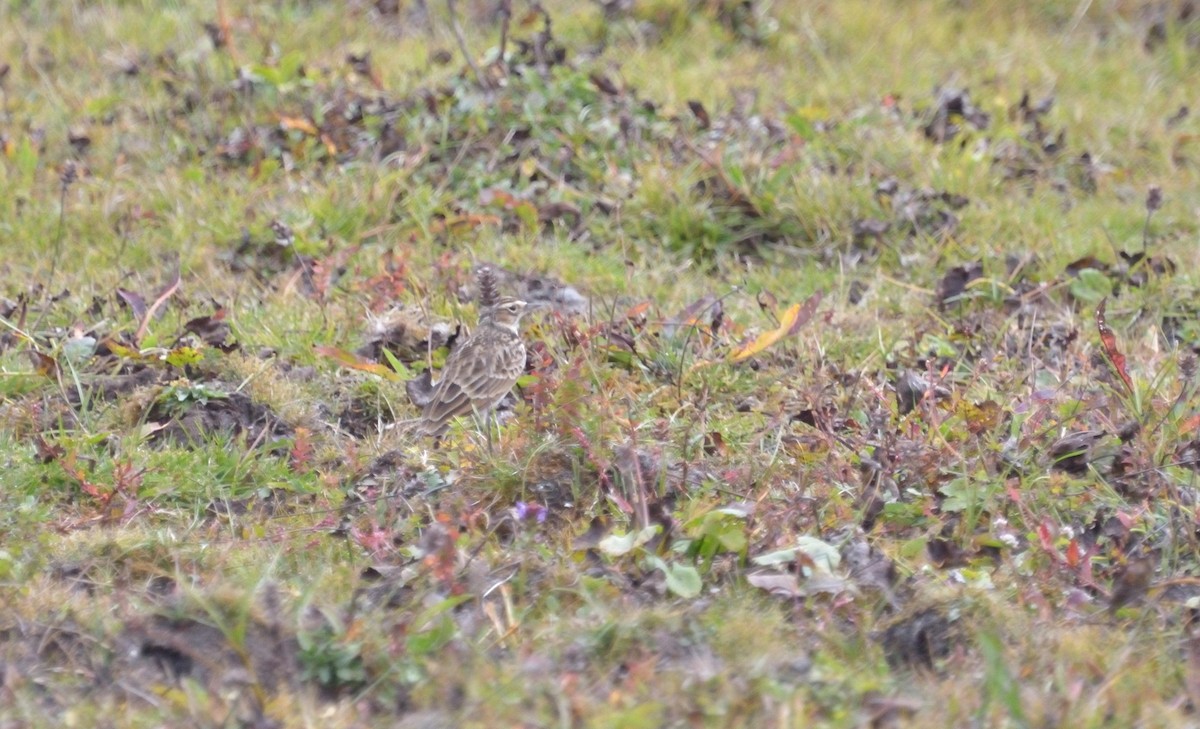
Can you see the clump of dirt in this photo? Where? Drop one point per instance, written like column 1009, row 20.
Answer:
column 922, row 637
column 177, row 648
column 198, row 420
column 406, row 333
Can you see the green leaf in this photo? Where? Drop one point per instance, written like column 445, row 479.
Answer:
column 1091, row 286
column 999, row 682
column 528, row 215
column 430, row 640
column 961, row 494
column 193, row 174
column 397, row 365
column 620, row 357
column 438, row 608
column 801, row 125
column 435, row 628
column 615, row 545
column 26, row 158
column 733, row 540
column 914, row 548
column 738, row 511
column 824, row 557
column 102, row 106
column 781, row 556
column 903, row 514
column 737, row 175
column 682, row 579
column 722, row 529
column 79, row 349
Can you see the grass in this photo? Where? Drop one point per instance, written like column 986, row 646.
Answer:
column 939, row 499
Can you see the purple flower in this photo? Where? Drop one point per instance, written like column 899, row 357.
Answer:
column 523, row 511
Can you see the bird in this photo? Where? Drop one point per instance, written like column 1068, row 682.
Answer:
column 480, row 371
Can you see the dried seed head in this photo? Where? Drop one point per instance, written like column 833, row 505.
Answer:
column 1154, row 198
column 69, row 174
column 1187, row 366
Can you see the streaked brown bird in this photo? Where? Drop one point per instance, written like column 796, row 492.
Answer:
column 480, row 371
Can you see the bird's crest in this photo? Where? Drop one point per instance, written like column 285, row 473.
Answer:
column 488, row 294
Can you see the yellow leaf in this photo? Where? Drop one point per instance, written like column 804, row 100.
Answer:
column 124, row 352
column 330, row 147
column 354, row 362
column 183, row 356
column 796, row 316
column 298, row 124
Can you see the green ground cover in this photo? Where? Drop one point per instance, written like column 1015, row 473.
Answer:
column 863, row 392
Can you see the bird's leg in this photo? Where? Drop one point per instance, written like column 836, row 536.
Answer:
column 487, row 423
column 483, row 420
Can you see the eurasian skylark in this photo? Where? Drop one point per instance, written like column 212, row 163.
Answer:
column 482, row 370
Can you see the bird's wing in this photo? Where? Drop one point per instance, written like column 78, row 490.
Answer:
column 511, row 363
column 467, row 379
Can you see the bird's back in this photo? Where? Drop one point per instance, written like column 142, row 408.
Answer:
column 476, row 377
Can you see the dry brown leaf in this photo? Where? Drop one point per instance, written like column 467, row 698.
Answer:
column 1109, row 340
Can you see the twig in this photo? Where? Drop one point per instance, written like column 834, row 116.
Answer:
column 167, row 292
column 736, row 193
column 1153, row 203
column 642, row 499
column 687, row 337
column 68, row 176
column 1077, row 17
column 505, row 19
column 462, row 43
column 4, row 69
column 226, row 28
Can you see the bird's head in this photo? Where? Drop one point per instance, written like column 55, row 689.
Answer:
column 506, row 312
